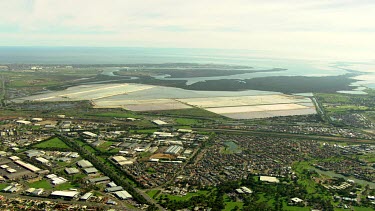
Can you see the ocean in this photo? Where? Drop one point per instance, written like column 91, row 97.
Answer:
column 133, row 55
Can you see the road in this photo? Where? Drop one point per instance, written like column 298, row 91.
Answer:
column 2, row 91
column 82, row 150
column 290, row 135
column 15, row 195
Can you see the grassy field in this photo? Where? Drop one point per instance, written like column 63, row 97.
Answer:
column 229, row 204
column 65, row 186
column 89, row 148
column 52, row 143
column 368, row 157
column 78, row 176
column 334, row 98
column 117, row 114
column 191, row 112
column 308, row 183
column 41, row 184
column 295, row 208
column 187, row 121
column 184, row 198
column 104, row 146
column 338, row 103
column 152, row 193
column 355, row 209
column 3, row 185
column 231, row 147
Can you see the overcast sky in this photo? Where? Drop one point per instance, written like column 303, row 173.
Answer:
column 334, row 29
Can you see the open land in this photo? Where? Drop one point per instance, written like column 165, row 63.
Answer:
column 242, row 107
column 171, row 148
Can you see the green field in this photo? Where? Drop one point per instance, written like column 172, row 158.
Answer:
column 184, row 198
column 89, row 148
column 3, row 185
column 41, row 184
column 52, row 143
column 152, row 193
column 230, row 205
column 187, row 121
column 356, row 209
column 191, row 112
column 104, row 146
column 295, row 208
column 308, row 183
column 65, row 186
column 231, row 147
column 117, row 114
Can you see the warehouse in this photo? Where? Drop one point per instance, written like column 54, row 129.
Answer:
column 64, row 194
column 111, row 184
column 13, row 158
column 159, row 122
column 23, row 122
column 99, row 180
column 119, row 159
column 91, row 170
column 246, row 190
column 84, row 164
column 123, row 195
column 4, row 166
column 27, row 166
column 34, row 153
column 184, row 131
column 34, row 191
column 126, row 162
column 58, row 180
column 71, row 170
column 88, row 134
column 114, row 189
column 20, row 175
column 86, row 197
column 163, row 135
column 42, row 160
column 269, row 179
column 173, row 149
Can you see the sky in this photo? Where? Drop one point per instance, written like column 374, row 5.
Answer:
column 319, row 29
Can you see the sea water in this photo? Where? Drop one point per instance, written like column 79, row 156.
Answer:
column 132, row 55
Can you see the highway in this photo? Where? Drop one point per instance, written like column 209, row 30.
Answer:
column 290, row 135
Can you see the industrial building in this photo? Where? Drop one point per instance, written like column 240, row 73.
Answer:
column 114, row 189
column 42, row 160
column 269, row 179
column 91, row 170
column 27, row 166
column 64, row 194
column 119, row 159
column 35, row 191
column 159, row 122
column 174, row 149
column 89, row 134
column 84, row 164
column 99, row 180
column 12, row 188
column 86, row 196
column 244, row 190
column 123, row 195
column 23, row 122
column 71, row 170
column 163, row 135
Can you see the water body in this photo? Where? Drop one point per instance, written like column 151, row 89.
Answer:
column 124, row 55
column 333, row 174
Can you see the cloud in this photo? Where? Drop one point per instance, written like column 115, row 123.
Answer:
column 335, row 29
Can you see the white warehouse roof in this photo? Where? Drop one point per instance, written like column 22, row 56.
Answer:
column 70, row 194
